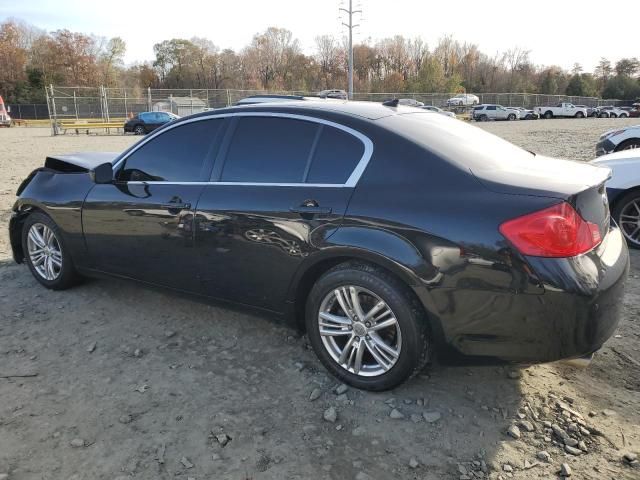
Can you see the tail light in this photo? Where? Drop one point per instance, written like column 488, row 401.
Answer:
column 557, row 231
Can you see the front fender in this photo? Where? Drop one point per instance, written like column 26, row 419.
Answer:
column 60, row 196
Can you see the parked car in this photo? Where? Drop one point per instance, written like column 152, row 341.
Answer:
column 410, row 102
column 591, row 111
column 623, row 191
column 635, row 111
column 339, row 94
column 146, row 122
column 486, row 112
column 463, row 100
column 618, row 139
column 307, row 210
column 525, row 114
column 610, row 111
column 432, row 108
column 561, row 110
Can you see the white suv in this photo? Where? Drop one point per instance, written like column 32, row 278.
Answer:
column 484, row 113
column 463, row 100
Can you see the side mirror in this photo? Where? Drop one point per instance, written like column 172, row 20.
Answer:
column 103, row 173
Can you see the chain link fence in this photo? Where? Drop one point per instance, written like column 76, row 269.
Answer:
column 116, row 104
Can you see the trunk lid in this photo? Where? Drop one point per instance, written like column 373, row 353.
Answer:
column 580, row 184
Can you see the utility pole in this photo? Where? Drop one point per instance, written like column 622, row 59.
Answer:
column 350, row 12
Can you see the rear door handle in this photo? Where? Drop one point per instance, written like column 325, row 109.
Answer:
column 310, row 210
column 177, row 206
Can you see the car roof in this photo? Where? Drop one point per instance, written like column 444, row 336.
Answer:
column 364, row 110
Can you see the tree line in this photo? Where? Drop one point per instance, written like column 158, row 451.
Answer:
column 31, row 58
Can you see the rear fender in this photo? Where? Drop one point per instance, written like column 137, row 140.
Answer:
column 379, row 247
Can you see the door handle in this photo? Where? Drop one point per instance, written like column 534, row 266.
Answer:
column 310, row 210
column 177, row 206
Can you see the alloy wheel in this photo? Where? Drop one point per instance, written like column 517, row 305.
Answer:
column 44, row 251
column 630, row 221
column 359, row 330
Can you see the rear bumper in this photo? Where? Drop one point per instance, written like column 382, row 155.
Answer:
column 573, row 311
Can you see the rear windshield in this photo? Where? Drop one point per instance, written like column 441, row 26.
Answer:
column 465, row 145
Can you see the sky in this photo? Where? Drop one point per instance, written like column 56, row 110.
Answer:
column 557, row 32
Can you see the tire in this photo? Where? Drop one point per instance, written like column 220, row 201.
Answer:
column 579, row 115
column 139, row 130
column 548, row 114
column 630, row 144
column 63, row 275
column 483, row 118
column 628, row 225
column 409, row 335
column 623, row 115
column 613, row 115
column 604, row 115
column 511, row 117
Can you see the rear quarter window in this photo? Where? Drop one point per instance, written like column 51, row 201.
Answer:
column 336, row 156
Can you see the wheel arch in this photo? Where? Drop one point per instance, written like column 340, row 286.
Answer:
column 621, row 194
column 625, row 142
column 400, row 259
column 16, row 223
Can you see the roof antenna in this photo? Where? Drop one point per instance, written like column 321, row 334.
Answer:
column 391, row 103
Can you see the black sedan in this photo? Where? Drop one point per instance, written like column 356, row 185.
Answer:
column 146, row 122
column 388, row 234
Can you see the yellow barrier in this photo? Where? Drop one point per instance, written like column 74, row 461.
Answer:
column 86, row 126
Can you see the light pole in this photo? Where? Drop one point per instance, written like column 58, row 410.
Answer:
column 350, row 12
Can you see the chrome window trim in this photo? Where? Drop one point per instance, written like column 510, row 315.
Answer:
column 351, row 182
column 249, row 184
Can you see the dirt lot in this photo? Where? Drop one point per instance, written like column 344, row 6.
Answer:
column 144, row 384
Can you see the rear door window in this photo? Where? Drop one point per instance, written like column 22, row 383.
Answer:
column 269, row 150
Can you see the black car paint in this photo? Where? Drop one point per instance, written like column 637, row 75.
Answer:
column 245, row 244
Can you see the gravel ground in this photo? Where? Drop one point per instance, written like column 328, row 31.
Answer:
column 140, row 383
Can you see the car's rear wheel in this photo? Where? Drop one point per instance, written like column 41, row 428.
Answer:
column 366, row 327
column 613, row 115
column 626, row 213
column 139, row 130
column 46, row 254
column 548, row 115
column 623, row 115
column 604, row 115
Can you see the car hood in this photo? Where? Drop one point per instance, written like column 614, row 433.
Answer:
column 624, row 129
column 79, row 162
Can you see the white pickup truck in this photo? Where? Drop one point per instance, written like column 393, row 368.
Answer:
column 562, row 110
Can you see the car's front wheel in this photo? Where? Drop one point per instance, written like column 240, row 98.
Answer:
column 366, row 327
column 46, row 254
column 626, row 212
